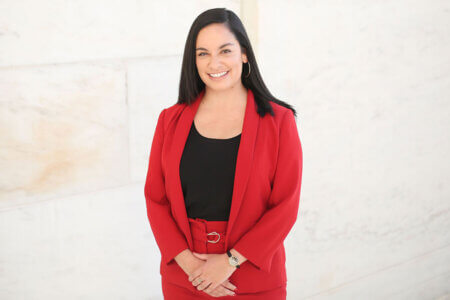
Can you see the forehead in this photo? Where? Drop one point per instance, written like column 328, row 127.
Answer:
column 214, row 35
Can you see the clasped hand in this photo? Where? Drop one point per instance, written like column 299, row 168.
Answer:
column 212, row 273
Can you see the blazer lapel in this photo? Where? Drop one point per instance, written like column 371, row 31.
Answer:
column 243, row 163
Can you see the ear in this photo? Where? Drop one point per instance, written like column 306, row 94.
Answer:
column 244, row 58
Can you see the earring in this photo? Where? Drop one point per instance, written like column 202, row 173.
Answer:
column 249, row 69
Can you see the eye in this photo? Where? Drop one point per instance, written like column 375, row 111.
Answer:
column 201, row 54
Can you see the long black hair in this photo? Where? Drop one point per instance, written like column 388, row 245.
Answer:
column 190, row 82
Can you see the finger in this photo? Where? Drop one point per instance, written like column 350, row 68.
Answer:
column 227, row 291
column 211, row 287
column 229, row 285
column 196, row 282
column 203, row 285
column 195, row 274
column 200, row 256
column 192, row 281
column 214, row 293
column 222, row 291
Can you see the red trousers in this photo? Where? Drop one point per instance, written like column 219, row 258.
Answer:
column 209, row 237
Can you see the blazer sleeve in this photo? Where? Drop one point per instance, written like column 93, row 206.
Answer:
column 261, row 242
column 168, row 236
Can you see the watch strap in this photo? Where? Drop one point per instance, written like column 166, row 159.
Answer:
column 230, row 255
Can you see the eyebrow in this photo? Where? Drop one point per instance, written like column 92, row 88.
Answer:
column 201, row 48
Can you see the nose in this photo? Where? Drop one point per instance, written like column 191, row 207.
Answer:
column 215, row 64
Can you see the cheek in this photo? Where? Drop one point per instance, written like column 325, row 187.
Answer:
column 201, row 69
column 237, row 69
column 199, row 65
column 237, row 64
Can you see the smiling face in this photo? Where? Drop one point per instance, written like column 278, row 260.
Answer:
column 219, row 53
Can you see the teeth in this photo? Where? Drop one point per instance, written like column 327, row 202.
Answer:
column 218, row 74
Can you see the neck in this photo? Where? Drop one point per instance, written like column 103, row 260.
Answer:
column 224, row 98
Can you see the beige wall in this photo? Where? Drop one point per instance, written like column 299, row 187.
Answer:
column 81, row 86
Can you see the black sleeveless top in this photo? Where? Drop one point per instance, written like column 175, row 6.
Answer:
column 207, row 170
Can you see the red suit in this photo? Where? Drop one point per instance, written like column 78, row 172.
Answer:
column 265, row 198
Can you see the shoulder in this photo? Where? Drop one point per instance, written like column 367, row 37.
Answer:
column 173, row 109
column 284, row 123
column 281, row 115
column 170, row 113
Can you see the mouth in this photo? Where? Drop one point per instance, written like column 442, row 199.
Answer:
column 218, row 76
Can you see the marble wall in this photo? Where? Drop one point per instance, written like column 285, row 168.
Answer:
column 81, row 86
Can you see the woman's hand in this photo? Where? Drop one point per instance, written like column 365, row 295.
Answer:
column 213, row 272
column 189, row 263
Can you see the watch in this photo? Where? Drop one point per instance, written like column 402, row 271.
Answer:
column 233, row 260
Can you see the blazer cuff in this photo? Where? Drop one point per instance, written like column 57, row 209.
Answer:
column 170, row 255
column 258, row 262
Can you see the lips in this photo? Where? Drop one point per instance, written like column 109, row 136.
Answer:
column 224, row 75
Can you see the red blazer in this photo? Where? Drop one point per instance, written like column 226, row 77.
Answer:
column 265, row 197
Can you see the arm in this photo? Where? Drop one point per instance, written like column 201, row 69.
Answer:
column 168, row 236
column 186, row 260
column 262, row 241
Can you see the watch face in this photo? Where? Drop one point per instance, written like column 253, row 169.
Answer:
column 234, row 261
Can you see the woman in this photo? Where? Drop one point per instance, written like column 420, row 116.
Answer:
column 224, row 175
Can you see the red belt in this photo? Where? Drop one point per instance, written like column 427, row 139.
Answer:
column 208, row 236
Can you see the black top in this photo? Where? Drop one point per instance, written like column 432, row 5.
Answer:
column 207, row 170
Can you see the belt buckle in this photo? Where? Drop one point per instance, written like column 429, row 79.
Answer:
column 212, row 233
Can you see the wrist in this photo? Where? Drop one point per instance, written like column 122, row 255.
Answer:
column 240, row 257
column 183, row 255
column 184, row 259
